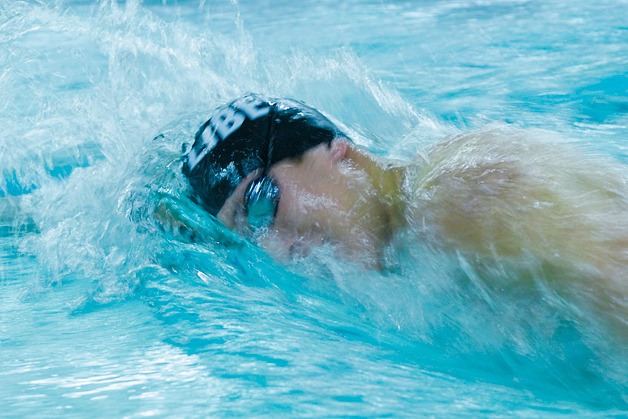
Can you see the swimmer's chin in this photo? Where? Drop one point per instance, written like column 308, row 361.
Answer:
column 287, row 250
column 321, row 251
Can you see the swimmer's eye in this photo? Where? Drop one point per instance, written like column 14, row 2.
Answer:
column 262, row 195
column 261, row 200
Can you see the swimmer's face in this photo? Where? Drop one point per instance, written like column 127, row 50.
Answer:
column 323, row 199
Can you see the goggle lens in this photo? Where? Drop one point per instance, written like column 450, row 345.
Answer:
column 260, row 202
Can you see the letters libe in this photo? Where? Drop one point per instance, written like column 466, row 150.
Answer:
column 224, row 123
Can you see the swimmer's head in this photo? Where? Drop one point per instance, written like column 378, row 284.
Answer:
column 279, row 171
column 248, row 134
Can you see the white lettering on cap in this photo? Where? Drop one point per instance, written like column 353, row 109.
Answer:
column 208, row 143
column 226, row 122
column 253, row 107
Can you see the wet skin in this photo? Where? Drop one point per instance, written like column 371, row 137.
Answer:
column 326, row 196
column 493, row 196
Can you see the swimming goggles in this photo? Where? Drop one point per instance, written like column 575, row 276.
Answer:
column 261, row 198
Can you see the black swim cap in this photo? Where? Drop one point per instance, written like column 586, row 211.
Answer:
column 234, row 142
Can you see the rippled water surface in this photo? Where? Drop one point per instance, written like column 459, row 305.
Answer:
column 103, row 312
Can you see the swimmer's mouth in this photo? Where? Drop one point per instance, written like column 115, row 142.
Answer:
column 303, row 246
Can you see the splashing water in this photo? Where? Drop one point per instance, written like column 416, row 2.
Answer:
column 104, row 309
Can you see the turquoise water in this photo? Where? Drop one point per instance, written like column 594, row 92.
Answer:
column 104, row 313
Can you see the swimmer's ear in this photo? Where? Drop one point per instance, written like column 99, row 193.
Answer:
column 338, row 149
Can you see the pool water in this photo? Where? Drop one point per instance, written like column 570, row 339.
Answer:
column 104, row 312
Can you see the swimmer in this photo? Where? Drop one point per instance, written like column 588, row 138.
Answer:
column 278, row 171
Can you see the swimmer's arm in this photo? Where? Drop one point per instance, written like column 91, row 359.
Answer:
column 184, row 219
